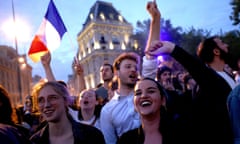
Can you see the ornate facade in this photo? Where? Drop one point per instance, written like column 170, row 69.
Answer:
column 105, row 34
column 16, row 81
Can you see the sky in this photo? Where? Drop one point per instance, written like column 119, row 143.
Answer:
column 210, row 15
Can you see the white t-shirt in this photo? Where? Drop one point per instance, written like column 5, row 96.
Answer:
column 229, row 80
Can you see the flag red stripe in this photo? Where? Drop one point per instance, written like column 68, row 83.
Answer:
column 37, row 46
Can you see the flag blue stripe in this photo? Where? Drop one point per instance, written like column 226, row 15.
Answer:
column 54, row 18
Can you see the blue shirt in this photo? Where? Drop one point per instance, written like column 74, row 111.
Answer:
column 233, row 103
column 118, row 116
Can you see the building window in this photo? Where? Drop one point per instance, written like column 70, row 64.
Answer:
column 102, row 16
column 115, row 40
column 111, row 16
column 123, row 46
column 102, row 40
column 87, row 49
column 91, row 16
column 105, row 58
column 81, row 53
column 120, row 18
column 111, row 46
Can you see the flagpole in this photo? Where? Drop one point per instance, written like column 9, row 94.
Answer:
column 16, row 47
column 70, row 40
column 40, row 45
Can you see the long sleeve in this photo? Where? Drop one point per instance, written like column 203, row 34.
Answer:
column 107, row 127
column 149, row 67
column 234, row 109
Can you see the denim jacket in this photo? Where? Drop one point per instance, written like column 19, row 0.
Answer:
column 233, row 103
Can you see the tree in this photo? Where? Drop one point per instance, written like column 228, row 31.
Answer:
column 235, row 13
column 168, row 32
column 141, row 35
column 188, row 39
column 191, row 38
column 232, row 38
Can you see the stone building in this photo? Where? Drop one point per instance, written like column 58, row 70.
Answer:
column 105, row 35
column 15, row 74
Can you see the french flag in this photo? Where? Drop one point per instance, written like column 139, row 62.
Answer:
column 49, row 35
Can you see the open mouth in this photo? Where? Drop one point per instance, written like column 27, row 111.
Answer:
column 48, row 112
column 133, row 76
column 85, row 102
column 146, row 103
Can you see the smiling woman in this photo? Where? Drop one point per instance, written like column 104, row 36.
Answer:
column 149, row 102
column 53, row 100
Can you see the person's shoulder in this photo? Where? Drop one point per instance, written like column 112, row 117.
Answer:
column 132, row 132
column 35, row 137
column 235, row 92
column 110, row 104
column 86, row 128
column 39, row 135
column 5, row 129
column 237, row 88
column 10, row 134
column 88, row 132
column 130, row 137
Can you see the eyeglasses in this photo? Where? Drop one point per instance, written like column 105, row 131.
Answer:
column 50, row 99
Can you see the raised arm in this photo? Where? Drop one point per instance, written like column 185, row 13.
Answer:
column 46, row 60
column 80, row 75
column 150, row 63
column 154, row 30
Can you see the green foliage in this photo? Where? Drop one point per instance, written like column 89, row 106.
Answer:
column 232, row 38
column 235, row 13
column 188, row 39
column 170, row 33
column 141, row 35
column 191, row 38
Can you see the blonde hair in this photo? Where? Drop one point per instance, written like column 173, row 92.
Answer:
column 57, row 87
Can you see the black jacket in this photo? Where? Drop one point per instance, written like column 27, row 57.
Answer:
column 209, row 121
column 11, row 135
column 83, row 134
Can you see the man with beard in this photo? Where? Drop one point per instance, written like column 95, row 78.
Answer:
column 106, row 74
column 214, row 53
column 118, row 115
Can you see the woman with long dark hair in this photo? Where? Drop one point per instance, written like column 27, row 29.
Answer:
column 149, row 101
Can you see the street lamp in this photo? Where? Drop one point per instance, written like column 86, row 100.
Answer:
column 17, row 30
column 16, row 47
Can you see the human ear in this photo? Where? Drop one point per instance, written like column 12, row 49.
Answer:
column 216, row 51
column 164, row 102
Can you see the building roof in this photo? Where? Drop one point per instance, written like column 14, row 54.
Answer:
column 104, row 9
column 7, row 52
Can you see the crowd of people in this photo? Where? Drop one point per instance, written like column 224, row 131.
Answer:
column 197, row 105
